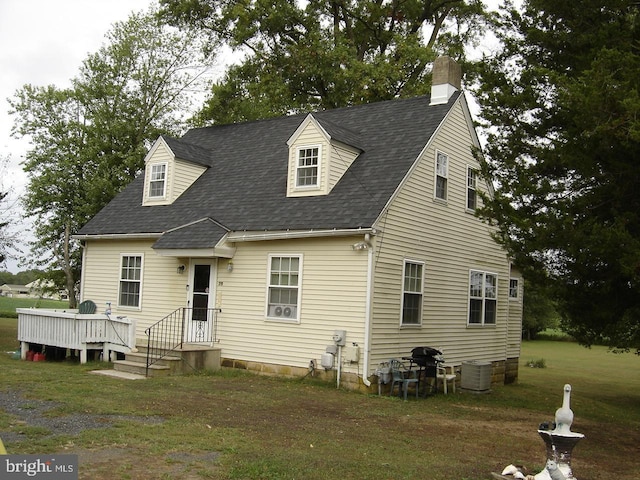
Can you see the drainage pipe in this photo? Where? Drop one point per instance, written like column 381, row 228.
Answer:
column 367, row 312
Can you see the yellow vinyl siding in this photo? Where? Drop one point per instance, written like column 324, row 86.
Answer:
column 450, row 241
column 340, row 159
column 163, row 289
column 184, row 174
column 333, row 292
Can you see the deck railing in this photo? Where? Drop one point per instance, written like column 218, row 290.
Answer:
column 184, row 325
column 70, row 329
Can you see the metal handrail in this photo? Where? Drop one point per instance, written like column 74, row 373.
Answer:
column 171, row 332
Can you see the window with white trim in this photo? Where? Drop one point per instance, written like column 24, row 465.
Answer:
column 130, row 287
column 472, row 194
column 514, row 284
column 442, row 175
column 284, row 287
column 158, row 180
column 412, row 292
column 483, row 297
column 307, row 167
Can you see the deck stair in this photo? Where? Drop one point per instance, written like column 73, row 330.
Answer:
column 136, row 362
column 181, row 361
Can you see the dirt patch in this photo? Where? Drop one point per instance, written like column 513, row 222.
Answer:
column 103, row 463
column 110, row 463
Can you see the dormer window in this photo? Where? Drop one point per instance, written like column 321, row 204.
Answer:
column 158, row 180
column 307, row 167
column 320, row 153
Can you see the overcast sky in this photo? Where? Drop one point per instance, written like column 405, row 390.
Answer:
column 43, row 42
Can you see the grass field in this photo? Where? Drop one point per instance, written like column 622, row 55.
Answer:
column 8, row 305
column 235, row 425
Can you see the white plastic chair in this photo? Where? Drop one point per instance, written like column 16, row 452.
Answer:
column 447, row 373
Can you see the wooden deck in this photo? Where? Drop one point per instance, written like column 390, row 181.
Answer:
column 70, row 329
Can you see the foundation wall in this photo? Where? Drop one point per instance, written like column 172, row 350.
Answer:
column 502, row 373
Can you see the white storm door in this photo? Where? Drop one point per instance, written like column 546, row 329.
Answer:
column 199, row 315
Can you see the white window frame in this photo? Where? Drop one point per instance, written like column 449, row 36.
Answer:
column 299, row 168
column 514, row 291
column 486, row 293
column 441, row 171
column 277, row 311
column 128, row 280
column 472, row 187
column 153, row 180
column 409, row 289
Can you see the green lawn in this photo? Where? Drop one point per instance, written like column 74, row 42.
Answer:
column 235, row 425
column 8, row 305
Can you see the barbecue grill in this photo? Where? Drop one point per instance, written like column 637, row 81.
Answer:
column 427, row 359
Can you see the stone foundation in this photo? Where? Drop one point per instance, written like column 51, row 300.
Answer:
column 349, row 381
column 511, row 370
column 502, row 373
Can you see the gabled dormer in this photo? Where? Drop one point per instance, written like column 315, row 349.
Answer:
column 319, row 154
column 171, row 166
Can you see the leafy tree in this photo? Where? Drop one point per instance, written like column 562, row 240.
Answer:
column 539, row 312
column 57, row 175
column 562, row 99
column 88, row 141
column 301, row 56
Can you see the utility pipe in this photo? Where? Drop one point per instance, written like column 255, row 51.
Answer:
column 339, row 365
column 367, row 312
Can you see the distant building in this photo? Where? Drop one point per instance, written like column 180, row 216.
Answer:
column 45, row 289
column 8, row 290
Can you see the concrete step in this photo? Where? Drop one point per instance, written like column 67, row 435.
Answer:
column 140, row 368
column 118, row 374
column 141, row 357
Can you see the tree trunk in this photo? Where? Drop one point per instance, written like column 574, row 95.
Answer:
column 68, row 270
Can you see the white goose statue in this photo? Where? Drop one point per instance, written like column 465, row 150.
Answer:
column 564, row 415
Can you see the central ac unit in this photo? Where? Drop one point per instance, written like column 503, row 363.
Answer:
column 476, row 376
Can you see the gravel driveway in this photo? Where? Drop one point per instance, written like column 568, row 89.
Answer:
column 32, row 413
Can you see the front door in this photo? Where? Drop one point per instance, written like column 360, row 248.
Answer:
column 200, row 316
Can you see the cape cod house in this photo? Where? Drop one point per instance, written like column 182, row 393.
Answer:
column 347, row 233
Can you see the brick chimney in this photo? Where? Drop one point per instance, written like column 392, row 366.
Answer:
column 446, row 80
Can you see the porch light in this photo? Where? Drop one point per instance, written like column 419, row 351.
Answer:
column 180, row 269
column 230, row 266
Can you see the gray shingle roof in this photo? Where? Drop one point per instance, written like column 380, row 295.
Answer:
column 203, row 233
column 188, row 151
column 341, row 134
column 245, row 187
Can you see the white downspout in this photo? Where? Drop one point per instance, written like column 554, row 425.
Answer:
column 367, row 314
